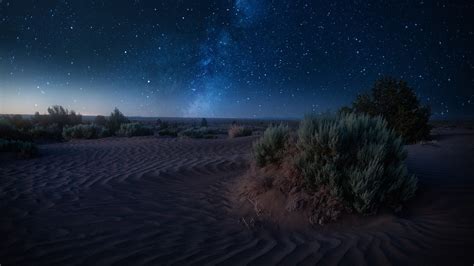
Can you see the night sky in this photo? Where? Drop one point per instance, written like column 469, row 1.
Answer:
column 239, row 58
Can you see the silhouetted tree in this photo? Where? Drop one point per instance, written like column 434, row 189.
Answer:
column 100, row 120
column 397, row 103
column 61, row 116
column 204, row 122
column 115, row 120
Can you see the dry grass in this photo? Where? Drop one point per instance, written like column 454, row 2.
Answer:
column 236, row 131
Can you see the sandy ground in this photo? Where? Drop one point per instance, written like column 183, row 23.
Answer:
column 161, row 201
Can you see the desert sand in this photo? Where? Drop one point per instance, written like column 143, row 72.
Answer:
column 160, row 201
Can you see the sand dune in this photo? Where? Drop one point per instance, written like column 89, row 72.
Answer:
column 166, row 201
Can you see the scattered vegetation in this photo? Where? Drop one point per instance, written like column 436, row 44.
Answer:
column 171, row 132
column 21, row 148
column 47, row 132
column 204, row 122
column 18, row 122
column 116, row 119
column 335, row 164
column 100, row 120
column 7, row 130
column 236, row 131
column 91, row 131
column 271, row 146
column 398, row 104
column 134, row 129
column 198, row 133
column 61, row 117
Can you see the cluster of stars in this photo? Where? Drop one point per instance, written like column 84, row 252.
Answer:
column 234, row 58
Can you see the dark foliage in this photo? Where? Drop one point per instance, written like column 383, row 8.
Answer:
column 92, row 131
column 61, row 116
column 204, row 122
column 398, row 104
column 171, row 132
column 20, row 148
column 100, row 120
column 358, row 157
column 270, row 148
column 115, row 120
column 47, row 132
column 133, row 130
column 198, row 133
column 236, row 131
column 18, row 122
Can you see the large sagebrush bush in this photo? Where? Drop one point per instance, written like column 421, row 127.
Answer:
column 236, row 131
column 358, row 157
column 91, row 131
column 134, row 129
column 21, row 148
column 270, row 147
column 398, row 104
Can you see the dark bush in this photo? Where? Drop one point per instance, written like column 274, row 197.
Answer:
column 134, row 129
column 197, row 133
column 172, row 132
column 61, row 116
column 163, row 125
column 270, row 148
column 84, row 132
column 21, row 148
column 18, row 122
column 50, row 132
column 204, row 122
column 236, row 131
column 395, row 101
column 7, row 130
column 358, row 157
column 115, row 121
column 100, row 120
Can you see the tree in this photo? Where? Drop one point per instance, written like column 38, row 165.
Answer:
column 100, row 120
column 115, row 120
column 397, row 103
column 204, row 122
column 62, row 116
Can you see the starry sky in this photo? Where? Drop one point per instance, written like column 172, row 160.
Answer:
column 231, row 58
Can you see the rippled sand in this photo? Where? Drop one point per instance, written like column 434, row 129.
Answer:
column 168, row 201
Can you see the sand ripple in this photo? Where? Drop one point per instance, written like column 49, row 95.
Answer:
column 161, row 201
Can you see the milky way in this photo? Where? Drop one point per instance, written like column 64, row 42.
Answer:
column 242, row 58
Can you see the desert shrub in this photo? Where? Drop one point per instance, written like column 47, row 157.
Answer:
column 91, row 131
column 236, row 131
column 163, row 124
column 133, row 129
column 49, row 132
column 398, row 104
column 21, row 148
column 100, row 120
column 197, row 133
column 358, row 157
column 172, row 132
column 61, row 116
column 18, row 122
column 270, row 147
column 7, row 130
column 204, row 122
column 115, row 121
